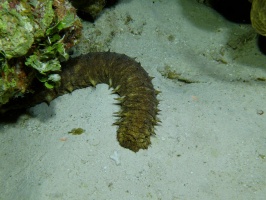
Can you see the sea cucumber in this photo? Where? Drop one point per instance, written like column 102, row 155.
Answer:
column 139, row 105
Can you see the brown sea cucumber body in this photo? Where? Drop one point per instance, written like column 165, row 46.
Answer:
column 137, row 117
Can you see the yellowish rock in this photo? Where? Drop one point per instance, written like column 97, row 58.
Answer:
column 258, row 16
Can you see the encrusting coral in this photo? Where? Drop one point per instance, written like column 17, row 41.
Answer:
column 34, row 38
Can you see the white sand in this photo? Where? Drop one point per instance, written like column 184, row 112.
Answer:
column 211, row 143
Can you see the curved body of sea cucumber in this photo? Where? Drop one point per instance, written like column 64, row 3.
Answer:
column 138, row 114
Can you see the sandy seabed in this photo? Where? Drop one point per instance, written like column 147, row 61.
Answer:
column 211, row 143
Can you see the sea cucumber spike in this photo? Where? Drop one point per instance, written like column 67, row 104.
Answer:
column 158, row 121
column 120, row 99
column 157, row 92
column 117, row 123
column 116, row 89
column 157, row 110
column 117, row 114
column 110, row 83
column 119, row 103
column 93, row 82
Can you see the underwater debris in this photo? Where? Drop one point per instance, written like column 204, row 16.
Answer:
column 76, row 131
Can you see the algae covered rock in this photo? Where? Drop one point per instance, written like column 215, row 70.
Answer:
column 258, row 16
column 17, row 34
column 34, row 38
